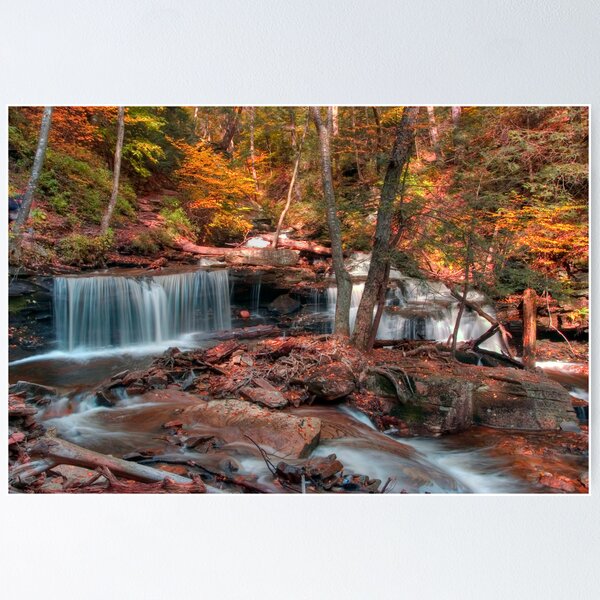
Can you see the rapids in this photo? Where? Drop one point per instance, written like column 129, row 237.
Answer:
column 108, row 323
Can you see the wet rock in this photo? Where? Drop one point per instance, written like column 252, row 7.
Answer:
column 570, row 426
column 189, row 382
column 16, row 438
column 158, row 379
column 244, row 314
column 107, row 397
column 331, row 382
column 315, row 469
column 220, row 352
column 33, row 392
column 522, row 401
column 285, row 305
column 134, row 378
column 243, row 359
column 276, row 431
column 269, row 398
column 558, row 482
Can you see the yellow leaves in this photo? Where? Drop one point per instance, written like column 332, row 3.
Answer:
column 548, row 232
column 217, row 190
column 205, row 172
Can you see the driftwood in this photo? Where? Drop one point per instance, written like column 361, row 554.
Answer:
column 166, row 486
column 55, row 451
column 238, row 480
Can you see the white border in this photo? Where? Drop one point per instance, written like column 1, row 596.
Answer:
column 267, row 51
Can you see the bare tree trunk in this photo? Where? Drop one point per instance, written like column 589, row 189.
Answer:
column 195, row 119
column 434, row 133
column 393, row 244
column 116, row 174
column 38, row 162
column 379, row 137
column 252, row 159
column 461, row 308
column 291, row 186
column 403, row 146
column 335, row 123
column 529, row 327
column 456, row 111
column 356, row 155
column 225, row 145
column 344, row 283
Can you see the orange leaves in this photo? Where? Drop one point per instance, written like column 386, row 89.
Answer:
column 218, row 192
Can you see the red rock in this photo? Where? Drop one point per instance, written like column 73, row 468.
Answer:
column 558, row 482
column 173, row 424
column 16, row 437
column 331, row 382
column 244, row 314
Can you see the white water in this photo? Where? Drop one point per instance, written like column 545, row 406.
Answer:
column 102, row 312
column 422, row 310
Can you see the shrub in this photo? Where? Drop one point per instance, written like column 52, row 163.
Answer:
column 83, row 250
column 144, row 244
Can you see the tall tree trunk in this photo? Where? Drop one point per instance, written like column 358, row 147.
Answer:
column 529, row 327
column 403, row 146
column 291, row 186
column 393, row 244
column 456, row 112
column 225, row 145
column 116, row 173
column 434, row 133
column 356, row 154
column 379, row 138
column 461, row 308
column 344, row 283
column 38, row 162
column 252, row 158
column 195, row 120
column 335, row 123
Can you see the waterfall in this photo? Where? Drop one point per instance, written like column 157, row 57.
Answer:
column 422, row 310
column 256, row 296
column 105, row 311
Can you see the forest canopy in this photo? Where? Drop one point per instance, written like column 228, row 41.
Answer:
column 508, row 183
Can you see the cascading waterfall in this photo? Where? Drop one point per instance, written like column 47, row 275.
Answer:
column 422, row 310
column 256, row 296
column 104, row 311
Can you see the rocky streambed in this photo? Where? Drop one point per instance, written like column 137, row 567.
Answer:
column 293, row 414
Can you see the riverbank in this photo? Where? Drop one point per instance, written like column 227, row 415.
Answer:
column 230, row 414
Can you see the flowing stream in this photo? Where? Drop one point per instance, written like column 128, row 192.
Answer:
column 105, row 324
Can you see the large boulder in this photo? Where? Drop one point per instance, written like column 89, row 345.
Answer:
column 522, row 401
column 447, row 404
column 233, row 420
column 331, row 382
column 284, row 305
column 33, row 392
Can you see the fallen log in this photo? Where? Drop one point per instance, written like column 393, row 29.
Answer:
column 57, row 451
column 504, row 334
column 166, row 486
column 26, row 474
column 301, row 245
column 238, row 480
column 283, row 257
